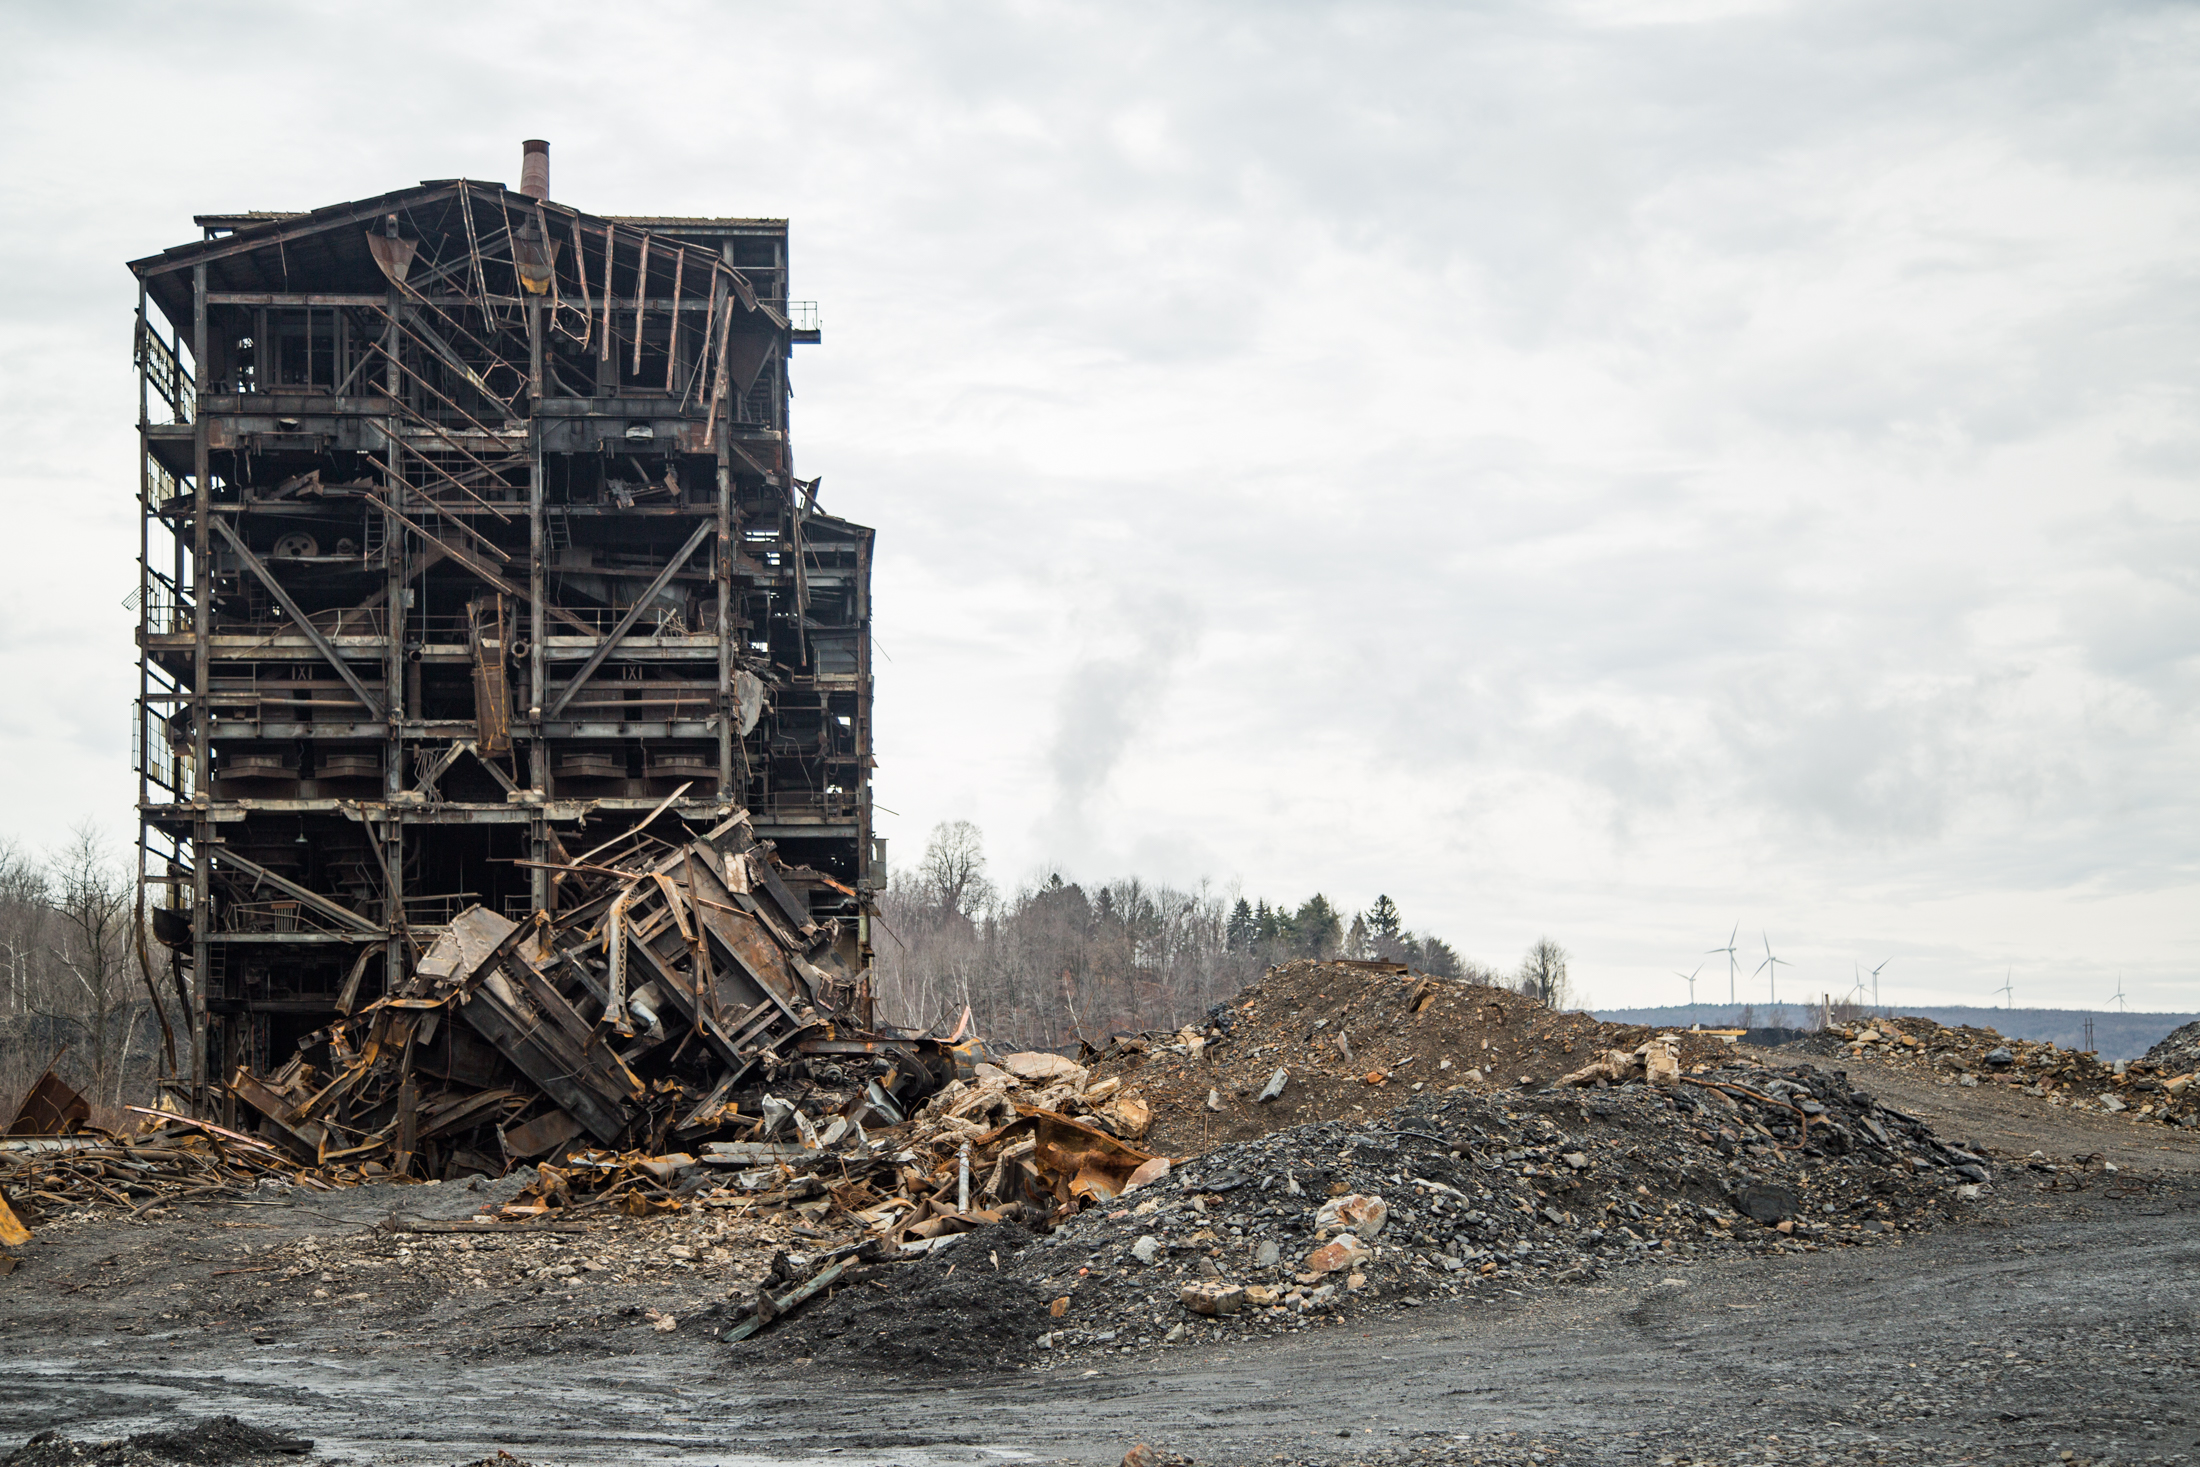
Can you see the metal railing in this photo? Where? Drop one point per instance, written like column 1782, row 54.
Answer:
column 153, row 755
column 165, row 372
column 803, row 316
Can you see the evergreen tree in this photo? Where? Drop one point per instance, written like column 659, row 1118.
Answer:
column 1382, row 918
column 1356, row 945
column 1316, row 928
column 1243, row 929
column 1267, row 925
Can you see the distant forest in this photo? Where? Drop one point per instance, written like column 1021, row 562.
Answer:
column 1055, row 961
column 2115, row 1036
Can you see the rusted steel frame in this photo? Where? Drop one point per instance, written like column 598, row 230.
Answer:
column 719, row 378
column 681, row 998
column 240, row 244
column 580, row 269
column 483, row 428
column 610, row 644
column 449, row 353
column 311, row 898
column 610, row 248
column 614, row 1010
column 672, row 344
column 479, row 568
column 437, row 346
column 400, row 483
column 711, row 296
column 473, row 245
column 641, row 298
column 312, row 633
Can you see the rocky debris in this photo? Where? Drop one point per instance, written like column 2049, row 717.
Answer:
column 2178, row 1052
column 2159, row 1089
column 1313, row 1041
column 222, row 1441
column 1467, row 1192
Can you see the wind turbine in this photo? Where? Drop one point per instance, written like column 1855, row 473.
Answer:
column 1775, row 965
column 2120, row 1006
column 1731, row 962
column 1875, row 983
column 2008, row 990
column 1690, row 980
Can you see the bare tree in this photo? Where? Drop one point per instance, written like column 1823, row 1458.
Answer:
column 92, row 947
column 952, row 872
column 1543, row 975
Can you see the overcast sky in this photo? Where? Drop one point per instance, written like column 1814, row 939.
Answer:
column 1605, row 470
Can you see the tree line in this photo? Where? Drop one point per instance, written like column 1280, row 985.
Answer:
column 74, row 979
column 1051, row 962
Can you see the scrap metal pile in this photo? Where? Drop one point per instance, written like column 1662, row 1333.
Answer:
column 682, row 991
column 50, row 1163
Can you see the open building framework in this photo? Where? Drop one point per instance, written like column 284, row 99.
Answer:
column 471, row 542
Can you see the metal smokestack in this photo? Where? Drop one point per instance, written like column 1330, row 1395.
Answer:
column 534, row 168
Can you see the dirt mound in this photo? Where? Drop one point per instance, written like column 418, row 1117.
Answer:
column 961, row 1310
column 1352, row 1039
column 2179, row 1051
column 2159, row 1089
column 217, row 1442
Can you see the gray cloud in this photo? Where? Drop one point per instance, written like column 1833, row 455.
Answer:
column 1574, row 468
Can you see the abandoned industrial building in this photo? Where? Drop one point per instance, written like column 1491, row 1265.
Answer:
column 472, row 544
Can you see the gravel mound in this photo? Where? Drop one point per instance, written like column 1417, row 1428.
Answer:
column 215, row 1442
column 1352, row 1039
column 2158, row 1090
column 2179, row 1051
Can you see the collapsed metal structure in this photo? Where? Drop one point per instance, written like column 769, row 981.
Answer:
column 477, row 590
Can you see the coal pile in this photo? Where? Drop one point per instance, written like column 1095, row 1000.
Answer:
column 221, row 1441
column 2157, row 1090
column 1352, row 1039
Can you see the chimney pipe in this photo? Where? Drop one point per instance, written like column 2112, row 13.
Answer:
column 534, row 168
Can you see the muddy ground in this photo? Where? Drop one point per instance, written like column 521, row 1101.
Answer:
column 2052, row 1322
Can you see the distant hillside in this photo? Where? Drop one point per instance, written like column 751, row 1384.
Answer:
column 2115, row 1036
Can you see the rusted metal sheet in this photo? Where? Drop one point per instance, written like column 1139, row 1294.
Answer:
column 50, row 1108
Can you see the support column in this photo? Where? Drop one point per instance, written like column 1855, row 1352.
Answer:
column 729, row 712
column 391, row 837
column 538, row 750
column 202, row 603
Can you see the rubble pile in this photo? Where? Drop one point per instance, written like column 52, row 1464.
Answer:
column 41, row 1175
column 2158, row 1089
column 681, row 991
column 2178, row 1052
column 1462, row 1191
column 1313, row 1041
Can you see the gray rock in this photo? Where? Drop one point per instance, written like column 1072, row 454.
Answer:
column 1274, row 1087
column 1764, row 1203
column 1147, row 1250
column 2000, row 1057
column 1268, row 1255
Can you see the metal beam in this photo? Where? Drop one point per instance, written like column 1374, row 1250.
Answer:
column 478, row 567
column 298, row 617
column 336, row 910
column 633, row 614
column 244, row 244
